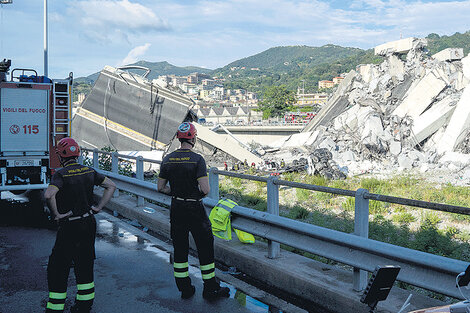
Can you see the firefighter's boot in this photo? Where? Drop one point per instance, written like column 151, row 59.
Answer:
column 79, row 309
column 214, row 291
column 188, row 292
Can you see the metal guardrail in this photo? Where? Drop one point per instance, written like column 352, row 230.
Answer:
column 428, row 271
column 120, row 156
column 115, row 165
column 24, row 187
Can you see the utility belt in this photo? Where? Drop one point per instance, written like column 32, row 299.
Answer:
column 186, row 199
column 79, row 217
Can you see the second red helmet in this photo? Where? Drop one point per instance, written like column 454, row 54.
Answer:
column 68, row 147
column 186, row 131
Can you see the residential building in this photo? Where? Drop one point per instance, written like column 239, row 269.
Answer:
column 337, row 80
column 177, row 81
column 217, row 93
column 306, row 99
column 325, row 84
column 190, row 88
column 193, row 78
column 208, row 83
column 204, row 94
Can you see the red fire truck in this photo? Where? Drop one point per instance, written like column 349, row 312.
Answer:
column 35, row 113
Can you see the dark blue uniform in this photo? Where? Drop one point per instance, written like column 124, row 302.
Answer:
column 182, row 168
column 75, row 239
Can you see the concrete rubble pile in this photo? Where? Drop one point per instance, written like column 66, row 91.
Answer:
column 410, row 111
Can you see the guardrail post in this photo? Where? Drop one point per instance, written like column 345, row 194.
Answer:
column 115, row 169
column 140, row 176
column 274, row 248
column 214, row 184
column 361, row 228
column 96, row 163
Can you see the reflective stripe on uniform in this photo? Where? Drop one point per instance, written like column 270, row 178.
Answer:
column 55, row 307
column 181, row 269
column 85, row 286
column 208, row 271
column 208, row 276
column 181, row 274
column 57, row 295
column 87, row 297
column 227, row 204
column 207, row 267
column 181, row 265
column 86, row 292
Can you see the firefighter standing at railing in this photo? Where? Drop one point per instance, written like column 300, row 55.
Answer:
column 70, row 198
column 187, row 174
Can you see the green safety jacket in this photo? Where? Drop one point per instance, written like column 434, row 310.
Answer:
column 220, row 220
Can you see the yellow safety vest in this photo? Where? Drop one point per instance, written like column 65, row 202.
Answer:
column 220, row 220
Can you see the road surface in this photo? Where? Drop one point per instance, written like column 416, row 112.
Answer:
column 132, row 270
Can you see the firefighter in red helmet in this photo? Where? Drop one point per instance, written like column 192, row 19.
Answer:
column 186, row 172
column 70, row 198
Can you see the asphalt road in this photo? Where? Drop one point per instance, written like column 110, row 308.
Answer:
column 132, row 270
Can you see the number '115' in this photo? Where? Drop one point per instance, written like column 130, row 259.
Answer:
column 31, row 129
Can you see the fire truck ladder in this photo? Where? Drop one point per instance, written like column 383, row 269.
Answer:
column 62, row 110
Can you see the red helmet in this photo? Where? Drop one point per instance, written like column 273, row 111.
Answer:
column 186, row 131
column 67, row 147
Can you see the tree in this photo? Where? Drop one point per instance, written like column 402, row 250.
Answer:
column 276, row 101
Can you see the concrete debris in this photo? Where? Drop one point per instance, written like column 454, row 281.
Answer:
column 458, row 127
column 430, row 121
column 400, row 46
column 395, row 148
column 466, row 66
column 449, row 54
column 405, row 162
column 408, row 112
column 422, row 95
column 335, row 105
column 396, row 67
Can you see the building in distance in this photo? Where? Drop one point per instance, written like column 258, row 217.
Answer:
column 322, row 84
column 310, row 99
column 337, row 80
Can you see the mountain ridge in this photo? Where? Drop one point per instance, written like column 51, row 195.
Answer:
column 293, row 65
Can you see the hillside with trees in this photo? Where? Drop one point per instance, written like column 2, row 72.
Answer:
column 156, row 69
column 304, row 76
column 292, row 66
column 437, row 43
column 289, row 58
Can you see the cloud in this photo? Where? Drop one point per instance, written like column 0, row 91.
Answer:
column 105, row 19
column 356, row 4
column 134, row 55
column 217, row 32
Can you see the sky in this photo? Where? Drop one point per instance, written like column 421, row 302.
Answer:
column 86, row 35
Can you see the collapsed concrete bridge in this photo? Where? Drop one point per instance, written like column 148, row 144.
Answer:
column 128, row 112
column 412, row 110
